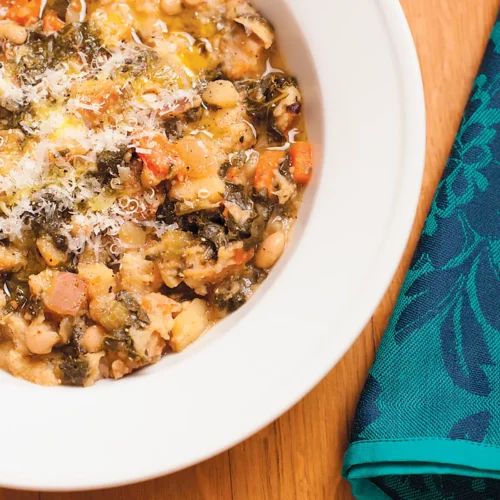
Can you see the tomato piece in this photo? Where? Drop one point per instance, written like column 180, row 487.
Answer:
column 233, row 174
column 159, row 155
column 51, row 22
column 24, row 12
column 98, row 100
column 242, row 257
column 302, row 161
column 268, row 163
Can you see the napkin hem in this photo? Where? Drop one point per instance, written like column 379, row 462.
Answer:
column 365, row 460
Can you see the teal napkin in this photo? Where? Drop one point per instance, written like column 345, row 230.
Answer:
column 428, row 422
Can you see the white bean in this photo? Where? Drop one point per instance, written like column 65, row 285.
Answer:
column 13, row 32
column 50, row 253
column 221, row 93
column 189, row 325
column 41, row 338
column 119, row 369
column 270, row 250
column 171, row 7
column 92, row 338
column 76, row 11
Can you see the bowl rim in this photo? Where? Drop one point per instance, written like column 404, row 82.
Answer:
column 400, row 228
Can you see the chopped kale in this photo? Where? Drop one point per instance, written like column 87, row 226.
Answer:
column 284, row 168
column 73, row 368
column 10, row 119
column 144, row 62
column 166, row 213
column 75, row 38
column 236, row 193
column 107, row 165
column 214, row 233
column 47, row 218
column 208, row 224
column 262, row 98
column 37, row 58
column 257, row 230
column 213, row 75
column 73, row 371
column 194, row 115
column 173, row 129
column 252, row 231
column 16, row 286
column 19, row 297
column 233, row 292
column 195, row 221
column 59, row 7
column 264, row 205
column 237, row 231
column 265, row 94
column 180, row 293
column 218, row 230
column 138, row 316
column 231, row 295
column 120, row 341
column 73, row 348
column 126, row 314
column 47, row 51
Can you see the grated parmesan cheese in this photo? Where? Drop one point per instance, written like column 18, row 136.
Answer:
column 50, row 177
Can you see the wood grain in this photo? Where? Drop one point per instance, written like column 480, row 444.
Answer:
column 299, row 456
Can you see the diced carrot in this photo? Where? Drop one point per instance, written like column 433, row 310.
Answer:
column 159, row 155
column 302, row 161
column 51, row 22
column 25, row 12
column 267, row 165
column 68, row 294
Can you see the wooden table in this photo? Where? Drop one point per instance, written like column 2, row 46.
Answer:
column 299, row 456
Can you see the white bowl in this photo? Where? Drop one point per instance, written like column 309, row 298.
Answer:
column 358, row 68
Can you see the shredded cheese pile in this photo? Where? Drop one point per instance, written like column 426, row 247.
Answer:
column 55, row 118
